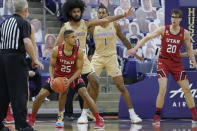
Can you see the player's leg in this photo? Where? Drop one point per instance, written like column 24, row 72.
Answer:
column 162, row 75
column 85, row 79
column 68, row 113
column 160, row 99
column 118, row 80
column 184, row 84
column 91, row 104
column 44, row 92
column 112, row 67
column 181, row 78
column 62, row 102
column 92, row 87
column 93, row 79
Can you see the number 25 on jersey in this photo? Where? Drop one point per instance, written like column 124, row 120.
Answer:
column 66, row 69
column 171, row 48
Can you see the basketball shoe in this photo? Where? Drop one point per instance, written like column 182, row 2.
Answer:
column 156, row 120
column 9, row 118
column 59, row 123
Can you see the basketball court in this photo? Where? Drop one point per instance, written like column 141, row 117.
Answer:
column 116, row 125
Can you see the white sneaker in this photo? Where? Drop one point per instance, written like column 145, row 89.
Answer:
column 82, row 127
column 135, row 119
column 135, row 127
column 83, row 119
column 46, row 99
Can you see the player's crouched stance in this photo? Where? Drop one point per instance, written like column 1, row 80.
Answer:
column 66, row 61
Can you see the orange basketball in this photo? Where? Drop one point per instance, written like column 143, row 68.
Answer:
column 59, row 85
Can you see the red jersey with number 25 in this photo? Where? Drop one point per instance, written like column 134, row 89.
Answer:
column 66, row 65
column 171, row 44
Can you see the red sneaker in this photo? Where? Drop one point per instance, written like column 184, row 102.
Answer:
column 99, row 124
column 9, row 118
column 156, row 120
column 32, row 121
column 194, row 119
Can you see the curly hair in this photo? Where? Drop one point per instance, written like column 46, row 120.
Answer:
column 70, row 5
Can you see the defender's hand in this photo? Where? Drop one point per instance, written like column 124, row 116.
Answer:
column 129, row 12
column 131, row 52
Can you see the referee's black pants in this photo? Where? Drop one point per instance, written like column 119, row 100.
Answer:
column 69, row 99
column 13, row 88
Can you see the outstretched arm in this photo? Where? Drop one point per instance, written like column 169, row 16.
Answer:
column 188, row 48
column 152, row 35
column 186, row 55
column 109, row 18
column 124, row 39
column 53, row 60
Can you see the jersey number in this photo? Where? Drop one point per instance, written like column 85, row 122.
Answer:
column 171, row 48
column 66, row 69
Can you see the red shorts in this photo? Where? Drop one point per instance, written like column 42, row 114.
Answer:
column 165, row 66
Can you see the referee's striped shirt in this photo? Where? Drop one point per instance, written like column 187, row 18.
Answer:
column 12, row 32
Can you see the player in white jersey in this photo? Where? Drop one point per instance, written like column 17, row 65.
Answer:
column 73, row 10
column 105, row 38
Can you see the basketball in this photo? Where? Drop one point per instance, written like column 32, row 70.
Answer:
column 58, row 85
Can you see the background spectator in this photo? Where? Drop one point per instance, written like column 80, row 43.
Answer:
column 135, row 3
column 141, row 20
column 38, row 30
column 123, row 22
column 148, row 9
column 49, row 44
column 125, row 4
column 8, row 7
column 150, row 47
column 160, row 17
column 134, row 34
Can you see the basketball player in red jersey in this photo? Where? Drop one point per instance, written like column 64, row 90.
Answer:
column 170, row 61
column 66, row 61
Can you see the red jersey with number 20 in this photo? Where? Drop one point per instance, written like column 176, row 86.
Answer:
column 66, row 65
column 171, row 44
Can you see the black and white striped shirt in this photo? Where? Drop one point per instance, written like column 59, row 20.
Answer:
column 12, row 31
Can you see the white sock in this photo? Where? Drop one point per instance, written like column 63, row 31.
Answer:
column 131, row 112
column 84, row 112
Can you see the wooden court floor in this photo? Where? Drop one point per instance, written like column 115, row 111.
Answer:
column 116, row 125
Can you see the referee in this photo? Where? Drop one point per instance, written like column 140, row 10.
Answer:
column 14, row 43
